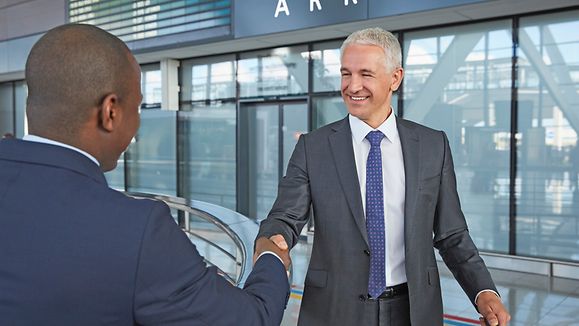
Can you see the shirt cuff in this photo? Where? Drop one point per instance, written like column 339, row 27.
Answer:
column 278, row 257
column 487, row 290
column 272, row 253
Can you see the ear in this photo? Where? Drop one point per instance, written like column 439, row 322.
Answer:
column 109, row 113
column 397, row 76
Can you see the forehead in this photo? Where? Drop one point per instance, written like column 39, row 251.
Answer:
column 362, row 55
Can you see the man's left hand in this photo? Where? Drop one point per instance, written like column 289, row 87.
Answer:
column 492, row 309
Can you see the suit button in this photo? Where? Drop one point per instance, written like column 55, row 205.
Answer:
column 362, row 297
column 367, row 252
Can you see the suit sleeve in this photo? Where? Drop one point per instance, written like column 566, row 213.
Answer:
column 451, row 236
column 291, row 209
column 175, row 287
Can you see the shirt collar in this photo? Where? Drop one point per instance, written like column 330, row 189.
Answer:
column 360, row 129
column 43, row 140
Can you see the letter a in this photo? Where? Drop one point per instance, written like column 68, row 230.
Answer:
column 346, row 2
column 318, row 5
column 281, row 6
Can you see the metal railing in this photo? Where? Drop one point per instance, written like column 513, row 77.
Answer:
column 207, row 224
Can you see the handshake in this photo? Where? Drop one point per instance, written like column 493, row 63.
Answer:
column 277, row 245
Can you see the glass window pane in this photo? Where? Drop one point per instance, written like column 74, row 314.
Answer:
column 136, row 19
column 280, row 71
column 260, row 141
column 458, row 80
column 264, row 161
column 207, row 146
column 328, row 110
column 151, row 86
column 295, row 123
column 151, row 159
column 326, row 65
column 6, row 109
column 548, row 152
column 116, row 177
column 208, row 79
column 20, row 95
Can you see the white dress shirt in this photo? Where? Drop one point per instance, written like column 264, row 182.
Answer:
column 394, row 189
column 43, row 140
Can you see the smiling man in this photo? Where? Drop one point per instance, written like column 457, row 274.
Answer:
column 383, row 194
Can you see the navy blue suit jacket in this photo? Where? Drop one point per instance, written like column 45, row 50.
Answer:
column 75, row 252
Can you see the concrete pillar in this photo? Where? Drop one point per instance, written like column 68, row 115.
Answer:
column 170, row 84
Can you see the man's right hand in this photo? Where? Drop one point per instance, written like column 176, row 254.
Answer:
column 264, row 244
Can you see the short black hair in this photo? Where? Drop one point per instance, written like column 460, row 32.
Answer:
column 71, row 69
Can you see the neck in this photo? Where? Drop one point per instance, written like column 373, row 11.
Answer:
column 78, row 140
column 376, row 121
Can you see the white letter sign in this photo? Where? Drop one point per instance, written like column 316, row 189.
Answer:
column 318, row 5
column 281, row 6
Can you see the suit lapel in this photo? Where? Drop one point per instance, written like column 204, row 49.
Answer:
column 343, row 153
column 410, row 154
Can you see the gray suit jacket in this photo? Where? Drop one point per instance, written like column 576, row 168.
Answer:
column 322, row 176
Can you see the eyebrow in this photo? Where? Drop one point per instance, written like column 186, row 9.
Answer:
column 364, row 71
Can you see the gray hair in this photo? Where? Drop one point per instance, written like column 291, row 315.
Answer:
column 381, row 38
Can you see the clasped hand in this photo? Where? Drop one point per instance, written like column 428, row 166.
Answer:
column 275, row 244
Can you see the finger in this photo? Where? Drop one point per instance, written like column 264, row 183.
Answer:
column 279, row 241
column 492, row 319
column 489, row 315
column 504, row 318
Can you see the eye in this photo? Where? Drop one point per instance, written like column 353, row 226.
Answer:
column 345, row 74
column 367, row 75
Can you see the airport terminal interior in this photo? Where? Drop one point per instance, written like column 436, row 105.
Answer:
column 230, row 85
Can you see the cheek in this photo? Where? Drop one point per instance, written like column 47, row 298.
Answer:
column 344, row 84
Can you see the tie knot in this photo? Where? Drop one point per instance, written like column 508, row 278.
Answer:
column 375, row 137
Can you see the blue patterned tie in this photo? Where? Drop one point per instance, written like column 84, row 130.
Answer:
column 375, row 215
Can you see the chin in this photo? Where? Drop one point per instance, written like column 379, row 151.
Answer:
column 108, row 167
column 357, row 112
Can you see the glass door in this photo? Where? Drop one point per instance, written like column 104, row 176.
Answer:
column 268, row 135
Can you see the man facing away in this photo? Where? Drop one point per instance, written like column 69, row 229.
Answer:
column 383, row 194
column 75, row 252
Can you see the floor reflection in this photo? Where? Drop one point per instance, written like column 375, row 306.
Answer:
column 532, row 299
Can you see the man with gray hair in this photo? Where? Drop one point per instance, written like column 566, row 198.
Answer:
column 383, row 194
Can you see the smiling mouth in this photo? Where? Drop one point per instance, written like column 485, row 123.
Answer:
column 358, row 98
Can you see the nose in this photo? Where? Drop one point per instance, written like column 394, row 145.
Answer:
column 355, row 84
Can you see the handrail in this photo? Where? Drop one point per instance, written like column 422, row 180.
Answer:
column 239, row 228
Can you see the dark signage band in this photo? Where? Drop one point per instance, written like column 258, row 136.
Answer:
column 260, row 17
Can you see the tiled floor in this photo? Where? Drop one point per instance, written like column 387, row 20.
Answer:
column 531, row 299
